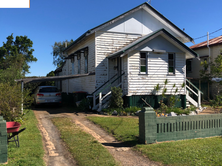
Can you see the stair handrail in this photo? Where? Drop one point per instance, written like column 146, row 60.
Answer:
column 198, row 94
column 104, row 84
column 194, row 86
column 96, row 95
column 111, row 83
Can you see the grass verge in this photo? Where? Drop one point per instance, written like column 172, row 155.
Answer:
column 123, row 129
column 205, row 151
column 31, row 149
column 83, row 147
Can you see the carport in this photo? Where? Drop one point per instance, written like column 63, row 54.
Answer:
column 54, row 78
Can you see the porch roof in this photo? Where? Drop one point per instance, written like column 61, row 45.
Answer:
column 132, row 46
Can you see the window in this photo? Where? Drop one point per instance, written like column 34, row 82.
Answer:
column 171, row 63
column 143, row 63
column 86, row 60
column 79, row 62
column 72, row 61
column 189, row 66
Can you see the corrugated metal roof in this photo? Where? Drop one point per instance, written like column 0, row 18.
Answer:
column 54, row 78
column 144, row 38
column 214, row 41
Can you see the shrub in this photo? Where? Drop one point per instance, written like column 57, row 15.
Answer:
column 84, row 104
column 131, row 110
column 116, row 100
column 11, row 101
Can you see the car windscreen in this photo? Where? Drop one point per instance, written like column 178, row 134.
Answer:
column 49, row 89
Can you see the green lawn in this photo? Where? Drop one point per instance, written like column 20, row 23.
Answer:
column 123, row 129
column 206, row 151
column 31, row 150
column 84, row 148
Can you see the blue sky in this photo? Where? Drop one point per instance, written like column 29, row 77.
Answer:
column 46, row 22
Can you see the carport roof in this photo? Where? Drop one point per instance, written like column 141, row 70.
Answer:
column 54, row 78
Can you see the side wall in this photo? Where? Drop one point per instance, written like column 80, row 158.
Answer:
column 87, row 83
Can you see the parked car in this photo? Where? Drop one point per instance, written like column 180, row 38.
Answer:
column 47, row 95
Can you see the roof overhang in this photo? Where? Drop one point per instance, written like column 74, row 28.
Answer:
column 143, row 40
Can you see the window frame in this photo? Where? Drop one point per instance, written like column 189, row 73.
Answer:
column 189, row 61
column 174, row 64
column 73, row 65
column 146, row 62
column 79, row 62
column 86, row 54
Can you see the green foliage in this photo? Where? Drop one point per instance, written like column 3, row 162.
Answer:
column 116, row 100
column 18, row 49
column 132, row 110
column 11, row 101
column 32, row 86
column 58, row 57
column 122, row 111
column 168, row 105
column 84, row 104
column 216, row 102
column 50, row 83
column 109, row 111
column 212, row 69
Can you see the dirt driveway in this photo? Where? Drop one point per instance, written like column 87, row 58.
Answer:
column 57, row 153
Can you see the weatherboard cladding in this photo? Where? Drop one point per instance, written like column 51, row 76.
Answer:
column 107, row 43
column 88, row 83
column 146, row 38
column 139, row 84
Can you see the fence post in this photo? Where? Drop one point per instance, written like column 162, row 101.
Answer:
column 3, row 141
column 147, row 125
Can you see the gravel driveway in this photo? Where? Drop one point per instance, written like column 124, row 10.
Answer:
column 57, row 154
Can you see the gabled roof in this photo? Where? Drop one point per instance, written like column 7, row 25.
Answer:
column 145, row 39
column 91, row 31
column 214, row 41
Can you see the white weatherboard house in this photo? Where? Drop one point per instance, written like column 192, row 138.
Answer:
column 135, row 51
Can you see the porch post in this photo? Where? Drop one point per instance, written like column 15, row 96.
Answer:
column 22, row 86
column 100, row 101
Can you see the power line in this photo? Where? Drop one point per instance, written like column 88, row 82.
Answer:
column 209, row 34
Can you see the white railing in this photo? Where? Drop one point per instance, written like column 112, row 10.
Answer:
column 102, row 98
column 97, row 94
column 198, row 94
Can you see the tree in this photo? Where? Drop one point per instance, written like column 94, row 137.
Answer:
column 58, row 56
column 50, row 74
column 212, row 69
column 20, row 50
